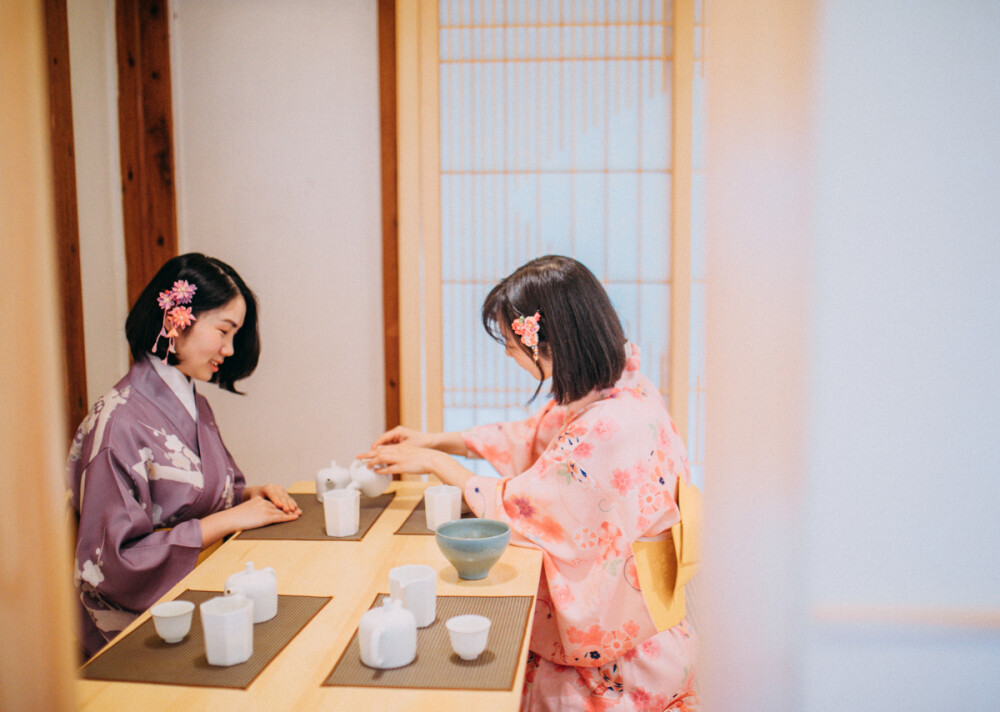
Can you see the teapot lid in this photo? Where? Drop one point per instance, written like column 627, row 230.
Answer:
column 391, row 611
column 250, row 574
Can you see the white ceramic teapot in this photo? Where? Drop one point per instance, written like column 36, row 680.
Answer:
column 388, row 635
column 329, row 478
column 260, row 586
column 371, row 483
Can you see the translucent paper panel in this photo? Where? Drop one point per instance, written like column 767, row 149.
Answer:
column 555, row 138
column 696, row 363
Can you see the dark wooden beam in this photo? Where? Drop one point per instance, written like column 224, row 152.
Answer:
column 145, row 121
column 390, row 220
column 67, row 222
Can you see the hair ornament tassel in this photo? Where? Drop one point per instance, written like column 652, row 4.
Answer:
column 527, row 328
column 176, row 317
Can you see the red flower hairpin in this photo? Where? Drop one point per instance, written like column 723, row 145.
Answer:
column 527, row 328
column 176, row 318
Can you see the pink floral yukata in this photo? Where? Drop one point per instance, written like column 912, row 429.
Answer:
column 582, row 482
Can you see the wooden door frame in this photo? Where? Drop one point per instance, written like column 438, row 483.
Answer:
column 67, row 228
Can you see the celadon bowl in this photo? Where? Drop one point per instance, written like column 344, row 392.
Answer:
column 473, row 545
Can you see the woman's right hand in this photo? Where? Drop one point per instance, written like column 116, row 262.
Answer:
column 400, row 435
column 451, row 443
column 251, row 514
column 259, row 512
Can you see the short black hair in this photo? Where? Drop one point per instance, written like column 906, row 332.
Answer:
column 217, row 284
column 579, row 328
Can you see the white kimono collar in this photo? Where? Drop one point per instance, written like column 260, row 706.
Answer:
column 177, row 382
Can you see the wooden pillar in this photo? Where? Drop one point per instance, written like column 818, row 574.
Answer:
column 67, row 224
column 145, row 121
column 390, row 212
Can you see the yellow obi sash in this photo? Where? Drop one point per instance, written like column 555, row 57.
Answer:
column 664, row 566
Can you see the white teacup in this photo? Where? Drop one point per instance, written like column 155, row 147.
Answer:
column 342, row 512
column 442, row 503
column 468, row 635
column 228, row 625
column 416, row 586
column 172, row 619
column 332, row 477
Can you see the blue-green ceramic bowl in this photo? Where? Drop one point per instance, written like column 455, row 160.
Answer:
column 473, row 545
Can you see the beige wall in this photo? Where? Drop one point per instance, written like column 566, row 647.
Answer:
column 35, row 609
column 853, row 334
column 277, row 147
column 277, row 172
column 98, row 188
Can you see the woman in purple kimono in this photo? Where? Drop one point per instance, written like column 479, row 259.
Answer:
column 590, row 480
column 150, row 480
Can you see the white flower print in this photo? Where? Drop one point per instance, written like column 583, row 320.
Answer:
column 91, row 573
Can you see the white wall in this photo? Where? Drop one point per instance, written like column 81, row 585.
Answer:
column 905, row 407
column 854, row 331
column 94, row 73
column 276, row 131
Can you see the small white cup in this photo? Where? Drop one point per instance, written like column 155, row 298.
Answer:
column 442, row 503
column 342, row 511
column 228, row 625
column 468, row 635
column 172, row 619
column 416, row 586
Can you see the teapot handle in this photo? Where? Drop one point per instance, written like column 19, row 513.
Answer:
column 376, row 641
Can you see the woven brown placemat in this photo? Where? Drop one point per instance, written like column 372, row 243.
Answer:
column 436, row 665
column 416, row 523
column 142, row 656
column 311, row 524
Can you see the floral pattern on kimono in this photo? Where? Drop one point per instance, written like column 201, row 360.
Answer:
column 141, row 473
column 582, row 482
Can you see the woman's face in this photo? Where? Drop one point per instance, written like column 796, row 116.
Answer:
column 512, row 347
column 203, row 346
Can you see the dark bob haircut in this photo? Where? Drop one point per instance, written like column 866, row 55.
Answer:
column 579, row 329
column 217, row 284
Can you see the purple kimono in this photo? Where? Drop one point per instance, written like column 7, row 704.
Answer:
column 141, row 473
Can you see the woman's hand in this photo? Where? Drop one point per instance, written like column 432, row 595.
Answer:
column 259, row 512
column 406, row 459
column 400, row 435
column 403, row 459
column 276, row 494
column 451, row 443
column 254, row 512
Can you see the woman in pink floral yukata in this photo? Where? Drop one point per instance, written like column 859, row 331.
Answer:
column 591, row 473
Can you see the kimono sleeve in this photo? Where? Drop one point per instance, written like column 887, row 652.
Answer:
column 512, row 447
column 119, row 554
column 583, row 502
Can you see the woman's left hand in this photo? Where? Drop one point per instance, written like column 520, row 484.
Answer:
column 411, row 460
column 403, row 459
column 277, row 495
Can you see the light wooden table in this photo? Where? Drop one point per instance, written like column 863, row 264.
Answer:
column 353, row 573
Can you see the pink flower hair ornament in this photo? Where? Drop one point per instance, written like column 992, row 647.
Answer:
column 176, row 318
column 527, row 328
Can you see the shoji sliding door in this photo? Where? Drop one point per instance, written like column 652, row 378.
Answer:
column 529, row 128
